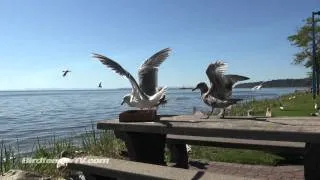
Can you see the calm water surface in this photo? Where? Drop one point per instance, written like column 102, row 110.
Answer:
column 26, row 115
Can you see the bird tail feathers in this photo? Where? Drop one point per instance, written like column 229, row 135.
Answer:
column 160, row 94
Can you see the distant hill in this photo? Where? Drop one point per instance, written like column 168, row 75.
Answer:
column 306, row 82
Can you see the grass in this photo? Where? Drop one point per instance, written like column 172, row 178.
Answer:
column 234, row 155
column 98, row 143
column 104, row 143
column 301, row 105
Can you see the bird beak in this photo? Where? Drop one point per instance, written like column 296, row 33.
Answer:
column 194, row 89
column 122, row 102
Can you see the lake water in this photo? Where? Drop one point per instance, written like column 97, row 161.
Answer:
column 26, row 115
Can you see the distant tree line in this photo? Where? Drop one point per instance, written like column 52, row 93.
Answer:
column 305, row 82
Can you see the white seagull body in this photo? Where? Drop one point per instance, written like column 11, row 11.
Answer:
column 138, row 98
column 258, row 87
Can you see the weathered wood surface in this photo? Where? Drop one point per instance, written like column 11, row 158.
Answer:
column 268, row 146
column 122, row 169
column 294, row 129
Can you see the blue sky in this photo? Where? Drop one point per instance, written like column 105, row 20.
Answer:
column 40, row 38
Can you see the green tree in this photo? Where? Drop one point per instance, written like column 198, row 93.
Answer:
column 303, row 40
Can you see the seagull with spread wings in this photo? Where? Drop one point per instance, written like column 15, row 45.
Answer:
column 65, row 72
column 220, row 92
column 138, row 98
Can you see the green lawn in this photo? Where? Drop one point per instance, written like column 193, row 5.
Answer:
column 301, row 105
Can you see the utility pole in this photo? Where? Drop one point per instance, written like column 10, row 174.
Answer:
column 315, row 66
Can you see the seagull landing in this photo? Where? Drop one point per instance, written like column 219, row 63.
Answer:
column 138, row 98
column 65, row 73
column 219, row 94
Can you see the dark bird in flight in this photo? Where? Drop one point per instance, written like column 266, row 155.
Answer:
column 65, row 73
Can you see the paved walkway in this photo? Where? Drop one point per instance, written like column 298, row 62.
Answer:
column 288, row 172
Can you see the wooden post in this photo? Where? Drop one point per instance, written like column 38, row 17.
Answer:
column 179, row 155
column 312, row 161
column 144, row 147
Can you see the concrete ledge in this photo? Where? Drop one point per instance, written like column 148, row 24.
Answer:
column 122, row 169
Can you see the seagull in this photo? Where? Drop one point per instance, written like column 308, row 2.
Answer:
column 100, row 85
column 282, row 106
column 258, row 87
column 138, row 98
column 317, row 110
column 268, row 112
column 65, row 73
column 250, row 113
column 219, row 94
column 292, row 97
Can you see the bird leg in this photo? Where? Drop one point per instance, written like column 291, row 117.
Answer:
column 223, row 112
column 209, row 113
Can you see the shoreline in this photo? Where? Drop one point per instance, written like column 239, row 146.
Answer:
column 105, row 144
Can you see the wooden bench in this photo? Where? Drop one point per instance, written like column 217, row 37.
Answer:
column 262, row 145
column 177, row 146
column 145, row 141
column 117, row 169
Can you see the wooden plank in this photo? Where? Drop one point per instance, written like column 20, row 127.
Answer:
column 268, row 146
column 295, row 129
column 122, row 169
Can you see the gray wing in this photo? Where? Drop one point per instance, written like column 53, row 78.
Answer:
column 235, row 78
column 118, row 69
column 154, row 61
column 146, row 74
column 215, row 73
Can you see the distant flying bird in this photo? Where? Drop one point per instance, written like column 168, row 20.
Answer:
column 138, row 98
column 258, row 87
column 100, row 85
column 219, row 94
column 65, row 72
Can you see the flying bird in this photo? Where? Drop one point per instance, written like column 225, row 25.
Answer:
column 138, row 98
column 100, row 85
column 258, row 87
column 65, row 73
column 220, row 92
